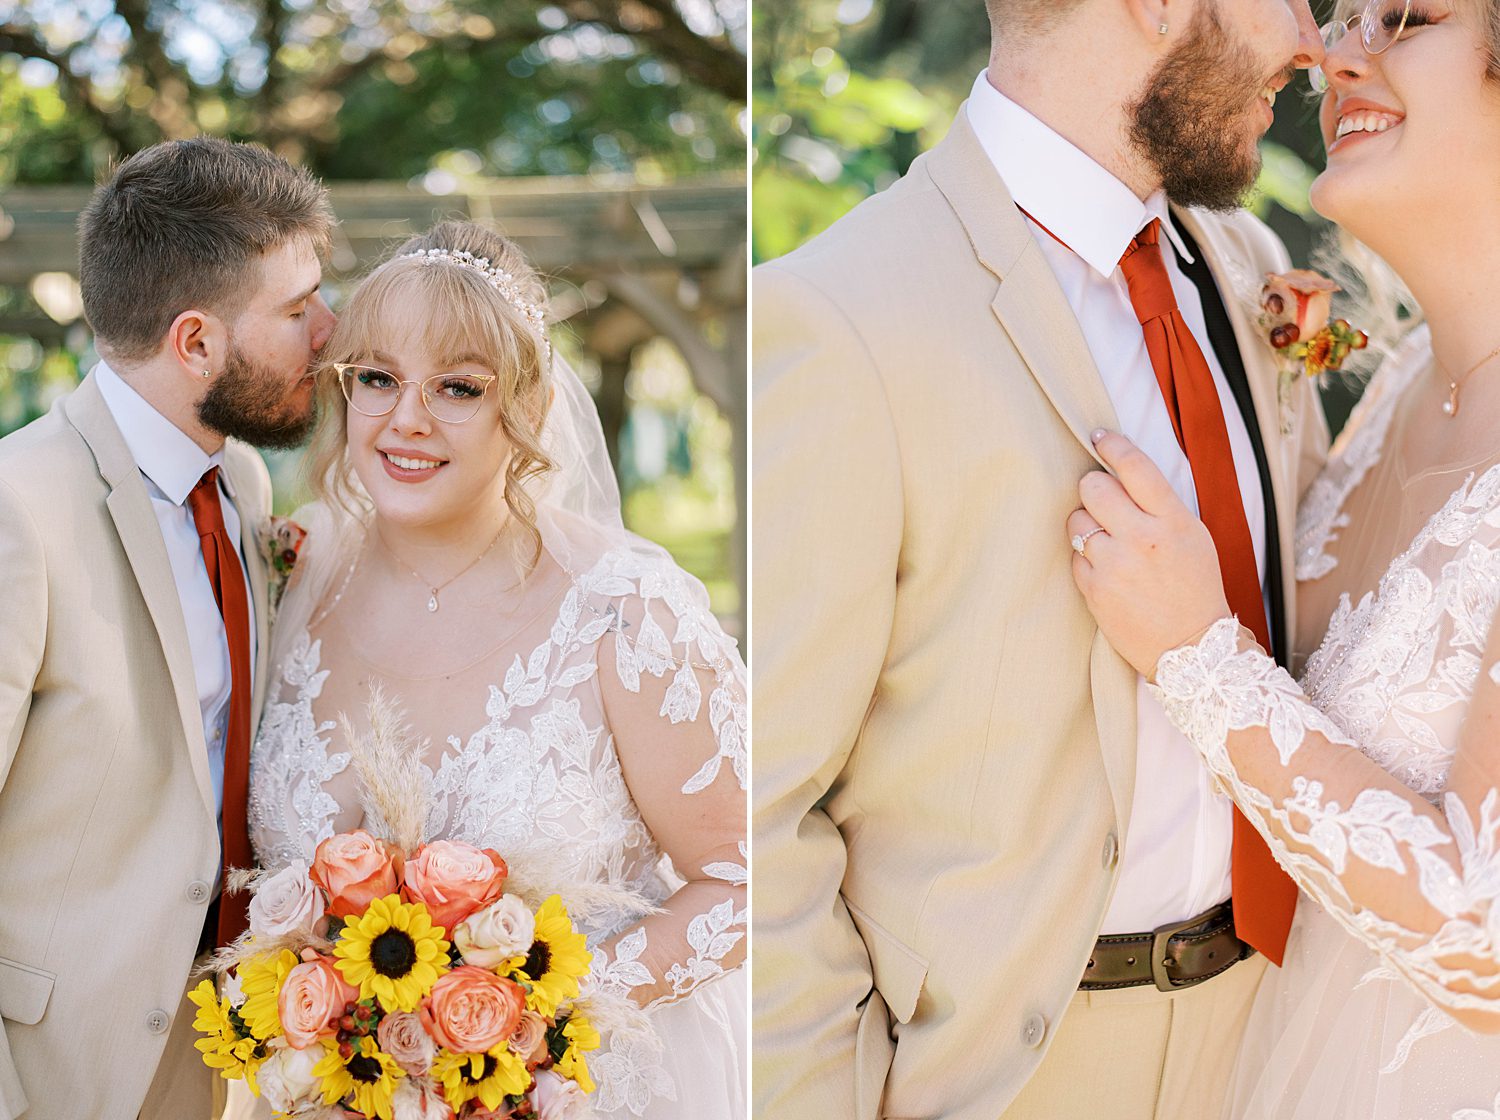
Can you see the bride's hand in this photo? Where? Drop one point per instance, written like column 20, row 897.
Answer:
column 1148, row 569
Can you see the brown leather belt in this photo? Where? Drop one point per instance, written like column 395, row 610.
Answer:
column 1172, row 957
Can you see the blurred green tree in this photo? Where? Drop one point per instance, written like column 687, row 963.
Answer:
column 378, row 88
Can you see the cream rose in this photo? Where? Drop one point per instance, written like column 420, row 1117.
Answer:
column 312, row 1001
column 414, row 1102
column 287, row 903
column 556, row 1098
column 471, row 1010
column 506, row 928
column 400, row 1035
column 355, row 869
column 454, row 879
column 286, row 1078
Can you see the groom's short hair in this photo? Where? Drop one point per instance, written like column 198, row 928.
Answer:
column 1027, row 15
column 178, row 225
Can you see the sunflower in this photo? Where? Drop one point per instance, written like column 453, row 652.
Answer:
column 261, row 979
column 581, row 1036
column 393, row 952
column 228, row 1046
column 558, row 957
column 488, row 1077
column 369, row 1075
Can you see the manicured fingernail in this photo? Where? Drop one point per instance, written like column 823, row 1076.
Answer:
column 1097, row 434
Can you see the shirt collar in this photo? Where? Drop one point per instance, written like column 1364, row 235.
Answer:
column 1078, row 201
column 164, row 452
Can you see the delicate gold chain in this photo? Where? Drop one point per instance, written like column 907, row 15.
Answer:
column 432, row 599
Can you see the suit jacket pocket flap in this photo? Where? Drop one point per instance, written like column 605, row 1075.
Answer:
column 899, row 973
column 24, row 992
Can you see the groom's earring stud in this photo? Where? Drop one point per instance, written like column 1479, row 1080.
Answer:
column 1162, row 30
column 207, row 374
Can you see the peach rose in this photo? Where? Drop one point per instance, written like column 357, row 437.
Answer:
column 400, row 1035
column 1297, row 305
column 530, row 1038
column 354, row 869
column 471, row 1010
column 454, row 880
column 312, row 1001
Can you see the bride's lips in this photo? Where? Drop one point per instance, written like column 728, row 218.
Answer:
column 405, row 465
column 1358, row 119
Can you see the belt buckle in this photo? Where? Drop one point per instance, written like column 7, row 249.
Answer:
column 1159, row 938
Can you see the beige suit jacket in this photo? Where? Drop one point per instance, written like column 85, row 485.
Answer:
column 108, row 841
column 944, row 743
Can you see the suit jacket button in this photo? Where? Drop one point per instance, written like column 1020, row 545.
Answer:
column 197, row 892
column 1033, row 1030
column 1111, row 852
column 157, row 1022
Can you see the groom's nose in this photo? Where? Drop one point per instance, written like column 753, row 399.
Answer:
column 323, row 321
column 1310, row 48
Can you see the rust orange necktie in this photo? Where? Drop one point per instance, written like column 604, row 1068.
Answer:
column 1264, row 896
column 222, row 559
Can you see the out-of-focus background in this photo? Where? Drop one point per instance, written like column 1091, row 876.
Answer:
column 608, row 137
column 846, row 93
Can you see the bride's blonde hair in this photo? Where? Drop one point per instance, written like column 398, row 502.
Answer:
column 461, row 312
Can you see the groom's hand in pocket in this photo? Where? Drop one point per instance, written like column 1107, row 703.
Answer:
column 1151, row 576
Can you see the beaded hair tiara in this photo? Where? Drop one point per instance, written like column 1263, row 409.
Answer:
column 502, row 281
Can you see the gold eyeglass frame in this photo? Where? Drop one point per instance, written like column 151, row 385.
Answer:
column 343, row 369
column 1368, row 28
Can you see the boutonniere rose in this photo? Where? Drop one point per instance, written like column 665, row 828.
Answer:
column 281, row 543
column 1295, row 312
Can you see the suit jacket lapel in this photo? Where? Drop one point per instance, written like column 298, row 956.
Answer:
column 1029, row 304
column 129, row 505
column 1245, row 359
column 1033, row 311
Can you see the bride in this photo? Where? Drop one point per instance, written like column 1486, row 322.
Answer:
column 1376, row 778
column 577, row 707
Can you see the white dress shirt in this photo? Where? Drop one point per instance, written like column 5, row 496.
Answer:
column 172, row 464
column 1175, row 859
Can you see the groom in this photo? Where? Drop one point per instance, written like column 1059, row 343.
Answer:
column 990, row 878
column 136, row 623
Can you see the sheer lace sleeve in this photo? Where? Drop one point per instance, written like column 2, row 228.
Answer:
column 674, row 696
column 1417, row 881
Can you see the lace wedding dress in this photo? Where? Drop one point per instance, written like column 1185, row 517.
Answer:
column 1374, row 778
column 601, row 739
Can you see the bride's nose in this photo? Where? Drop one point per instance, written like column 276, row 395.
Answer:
column 410, row 413
column 1347, row 61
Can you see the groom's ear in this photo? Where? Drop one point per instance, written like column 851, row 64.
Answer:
column 199, row 341
column 1159, row 21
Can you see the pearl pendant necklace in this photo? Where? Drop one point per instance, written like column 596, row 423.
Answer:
column 1450, row 406
column 433, row 589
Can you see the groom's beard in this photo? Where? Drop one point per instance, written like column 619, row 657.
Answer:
column 249, row 402
column 1192, row 121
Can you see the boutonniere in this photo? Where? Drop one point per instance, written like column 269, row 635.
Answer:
column 1295, row 312
column 280, row 542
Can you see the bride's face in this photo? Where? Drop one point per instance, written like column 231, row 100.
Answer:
column 1411, row 129
column 422, row 472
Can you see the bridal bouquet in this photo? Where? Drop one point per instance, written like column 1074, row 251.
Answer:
column 399, row 986
column 402, row 980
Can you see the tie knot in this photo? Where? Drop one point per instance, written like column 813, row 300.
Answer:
column 1146, row 276
column 203, row 500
